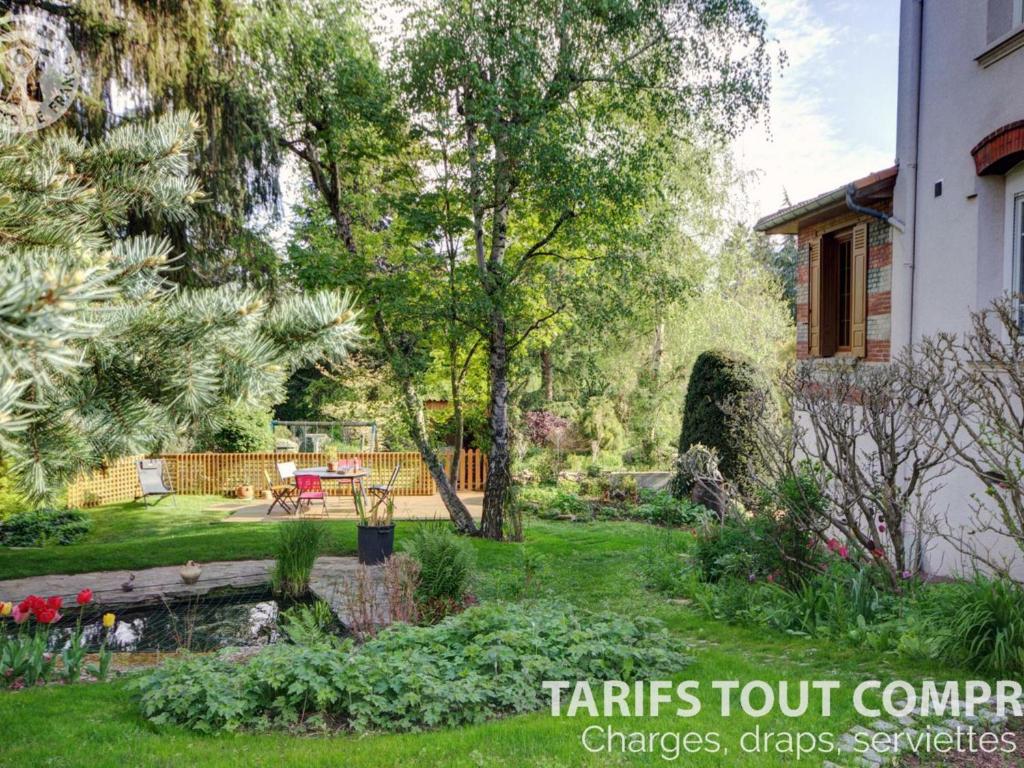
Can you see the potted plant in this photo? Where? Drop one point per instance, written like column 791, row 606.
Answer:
column 375, row 531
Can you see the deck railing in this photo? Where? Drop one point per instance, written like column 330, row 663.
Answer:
column 221, row 473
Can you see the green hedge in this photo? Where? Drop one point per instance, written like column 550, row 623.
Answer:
column 716, row 378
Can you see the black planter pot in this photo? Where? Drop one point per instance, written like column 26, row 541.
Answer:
column 376, row 543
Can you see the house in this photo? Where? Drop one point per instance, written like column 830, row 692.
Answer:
column 912, row 250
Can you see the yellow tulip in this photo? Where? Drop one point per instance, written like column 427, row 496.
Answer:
column 6, row 608
column 108, row 620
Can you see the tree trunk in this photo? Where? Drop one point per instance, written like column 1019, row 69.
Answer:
column 499, row 476
column 417, row 426
column 457, row 417
column 547, row 374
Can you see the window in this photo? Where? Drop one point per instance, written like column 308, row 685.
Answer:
column 838, row 294
column 1018, row 12
column 844, row 304
column 1014, row 282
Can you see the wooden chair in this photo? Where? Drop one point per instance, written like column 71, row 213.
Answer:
column 282, row 494
column 380, row 493
column 309, row 489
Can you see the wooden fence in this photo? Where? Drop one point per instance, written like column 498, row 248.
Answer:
column 221, row 473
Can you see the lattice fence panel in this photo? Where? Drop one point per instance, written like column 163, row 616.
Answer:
column 221, row 473
column 116, row 482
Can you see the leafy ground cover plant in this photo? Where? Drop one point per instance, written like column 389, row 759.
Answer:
column 483, row 663
column 654, row 507
column 38, row 527
column 298, row 545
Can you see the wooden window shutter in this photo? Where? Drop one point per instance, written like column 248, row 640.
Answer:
column 814, row 309
column 859, row 291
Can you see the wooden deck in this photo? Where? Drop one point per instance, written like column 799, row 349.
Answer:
column 340, row 508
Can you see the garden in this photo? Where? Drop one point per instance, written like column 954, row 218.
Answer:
column 480, row 270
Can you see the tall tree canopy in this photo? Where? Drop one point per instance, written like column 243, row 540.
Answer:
column 563, row 112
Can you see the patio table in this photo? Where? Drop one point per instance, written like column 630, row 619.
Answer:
column 354, row 477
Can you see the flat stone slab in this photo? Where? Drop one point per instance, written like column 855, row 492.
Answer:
column 330, row 581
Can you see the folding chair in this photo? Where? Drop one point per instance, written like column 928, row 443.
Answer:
column 380, row 493
column 152, row 480
column 286, row 471
column 309, row 489
column 281, row 493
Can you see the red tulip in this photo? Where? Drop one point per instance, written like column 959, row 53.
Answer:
column 84, row 597
column 31, row 604
column 55, row 602
column 47, row 615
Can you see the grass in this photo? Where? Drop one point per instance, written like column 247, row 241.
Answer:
column 594, row 565
column 131, row 536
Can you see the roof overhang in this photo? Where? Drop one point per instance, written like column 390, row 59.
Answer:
column 870, row 190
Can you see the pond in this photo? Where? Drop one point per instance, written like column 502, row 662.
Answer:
column 238, row 617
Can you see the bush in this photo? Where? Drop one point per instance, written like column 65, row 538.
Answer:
column 446, row 568
column 736, row 548
column 238, row 429
column 977, row 624
column 717, row 378
column 39, row 527
column 485, row 662
column 298, row 544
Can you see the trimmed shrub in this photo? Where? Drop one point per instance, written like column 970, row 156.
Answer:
column 485, row 662
column 38, row 527
column 718, row 377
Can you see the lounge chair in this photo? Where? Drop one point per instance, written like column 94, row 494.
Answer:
column 153, row 480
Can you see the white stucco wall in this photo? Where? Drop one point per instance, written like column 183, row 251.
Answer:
column 958, row 239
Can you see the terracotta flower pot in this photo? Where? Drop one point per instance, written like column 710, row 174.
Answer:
column 244, row 492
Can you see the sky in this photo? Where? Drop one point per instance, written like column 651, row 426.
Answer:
column 833, row 106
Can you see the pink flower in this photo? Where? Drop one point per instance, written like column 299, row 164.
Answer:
column 833, row 545
column 20, row 616
column 906, row 575
column 843, row 552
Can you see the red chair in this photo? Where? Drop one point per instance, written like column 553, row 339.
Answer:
column 308, row 489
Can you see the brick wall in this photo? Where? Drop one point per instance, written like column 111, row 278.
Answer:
column 879, row 282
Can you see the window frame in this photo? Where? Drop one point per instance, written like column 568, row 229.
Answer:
column 1018, row 13
column 1013, row 241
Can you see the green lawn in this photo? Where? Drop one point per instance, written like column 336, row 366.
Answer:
column 594, row 565
column 131, row 536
